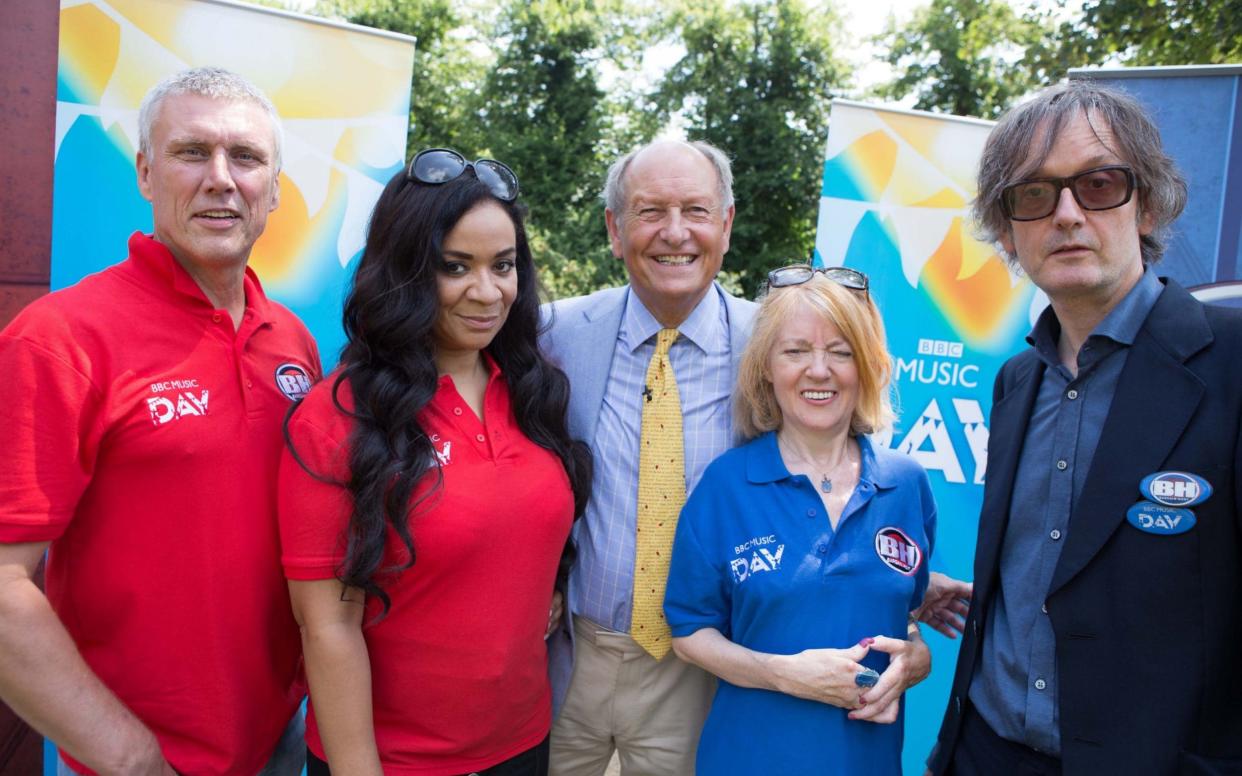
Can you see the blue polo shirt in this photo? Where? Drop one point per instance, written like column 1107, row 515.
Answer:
column 756, row 559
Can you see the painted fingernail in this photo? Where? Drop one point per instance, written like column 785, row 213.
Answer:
column 866, row 642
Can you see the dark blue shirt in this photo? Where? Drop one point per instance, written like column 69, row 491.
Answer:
column 1016, row 689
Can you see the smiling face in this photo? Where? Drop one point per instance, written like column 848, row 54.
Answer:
column 211, row 179
column 476, row 286
column 672, row 231
column 814, row 374
column 1078, row 255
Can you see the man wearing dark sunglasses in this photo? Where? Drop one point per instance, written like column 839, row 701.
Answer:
column 1107, row 613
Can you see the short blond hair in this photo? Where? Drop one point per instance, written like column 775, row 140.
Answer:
column 857, row 318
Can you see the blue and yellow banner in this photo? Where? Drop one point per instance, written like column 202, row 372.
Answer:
column 895, row 200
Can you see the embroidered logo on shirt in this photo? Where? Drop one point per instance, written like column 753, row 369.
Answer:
column 293, row 381
column 897, row 551
column 179, row 399
column 443, row 452
column 764, row 555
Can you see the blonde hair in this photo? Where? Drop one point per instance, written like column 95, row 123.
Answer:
column 755, row 408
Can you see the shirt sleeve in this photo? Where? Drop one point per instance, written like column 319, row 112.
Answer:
column 52, row 432
column 313, row 509
column 698, row 594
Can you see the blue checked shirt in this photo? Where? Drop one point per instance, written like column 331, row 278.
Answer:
column 604, row 574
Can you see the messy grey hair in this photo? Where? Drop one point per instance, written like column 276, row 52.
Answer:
column 1011, row 154
column 614, row 186
column 214, row 82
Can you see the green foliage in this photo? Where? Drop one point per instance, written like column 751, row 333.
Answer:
column 446, row 71
column 544, row 115
column 977, row 57
column 756, row 81
column 964, row 57
column 1161, row 32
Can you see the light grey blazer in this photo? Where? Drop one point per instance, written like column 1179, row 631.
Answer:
column 580, row 338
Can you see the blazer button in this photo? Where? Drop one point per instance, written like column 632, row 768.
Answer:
column 957, row 704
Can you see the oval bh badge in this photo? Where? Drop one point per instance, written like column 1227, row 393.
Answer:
column 897, row 551
column 1175, row 489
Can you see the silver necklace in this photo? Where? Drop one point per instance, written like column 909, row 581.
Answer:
column 825, row 483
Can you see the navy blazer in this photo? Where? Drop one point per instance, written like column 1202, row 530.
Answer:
column 581, row 339
column 1148, row 627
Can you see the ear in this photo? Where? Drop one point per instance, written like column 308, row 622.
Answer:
column 1146, row 224
column 275, row 194
column 144, row 175
column 1006, row 241
column 728, row 228
column 614, row 233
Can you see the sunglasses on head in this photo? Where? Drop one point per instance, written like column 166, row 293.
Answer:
column 1100, row 188
column 797, row 274
column 441, row 165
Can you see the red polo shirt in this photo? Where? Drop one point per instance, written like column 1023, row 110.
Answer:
column 459, row 666
column 142, row 439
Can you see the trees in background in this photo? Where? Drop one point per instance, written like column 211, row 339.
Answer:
column 963, row 56
column 558, row 88
column 756, row 80
column 976, row 57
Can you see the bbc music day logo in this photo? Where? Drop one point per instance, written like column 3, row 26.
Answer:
column 939, row 363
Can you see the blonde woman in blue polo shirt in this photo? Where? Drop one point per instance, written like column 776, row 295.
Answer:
column 801, row 555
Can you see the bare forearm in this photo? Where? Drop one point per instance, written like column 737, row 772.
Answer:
column 710, row 650
column 45, row 680
column 824, row 675
column 339, row 671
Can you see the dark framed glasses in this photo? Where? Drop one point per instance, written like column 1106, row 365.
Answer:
column 797, row 274
column 441, row 165
column 1101, row 188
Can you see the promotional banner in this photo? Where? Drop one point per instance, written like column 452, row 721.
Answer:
column 342, row 91
column 897, row 188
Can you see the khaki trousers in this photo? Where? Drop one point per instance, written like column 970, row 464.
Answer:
column 620, row 698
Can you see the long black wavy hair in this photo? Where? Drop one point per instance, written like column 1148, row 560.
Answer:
column 389, row 366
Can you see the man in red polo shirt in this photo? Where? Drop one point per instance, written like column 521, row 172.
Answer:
column 142, row 412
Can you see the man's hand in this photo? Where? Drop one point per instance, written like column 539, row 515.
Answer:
column 909, row 663
column 555, row 611
column 945, row 604
column 45, row 680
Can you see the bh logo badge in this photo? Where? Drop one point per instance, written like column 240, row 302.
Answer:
column 293, row 381
column 1175, row 489
column 897, row 551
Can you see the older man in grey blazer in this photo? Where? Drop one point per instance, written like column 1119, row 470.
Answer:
column 669, row 213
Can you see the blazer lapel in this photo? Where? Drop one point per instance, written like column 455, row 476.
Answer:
column 589, row 343
column 1155, row 399
column 1010, row 416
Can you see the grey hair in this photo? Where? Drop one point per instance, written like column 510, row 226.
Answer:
column 614, row 185
column 214, row 82
column 1011, row 155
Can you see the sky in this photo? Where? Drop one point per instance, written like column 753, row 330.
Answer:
column 864, row 19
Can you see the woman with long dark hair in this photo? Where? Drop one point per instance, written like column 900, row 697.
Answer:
column 428, row 490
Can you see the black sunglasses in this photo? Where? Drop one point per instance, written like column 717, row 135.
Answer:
column 797, row 274
column 1100, row 188
column 441, row 165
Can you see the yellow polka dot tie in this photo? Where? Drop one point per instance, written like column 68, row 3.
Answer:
column 661, row 494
